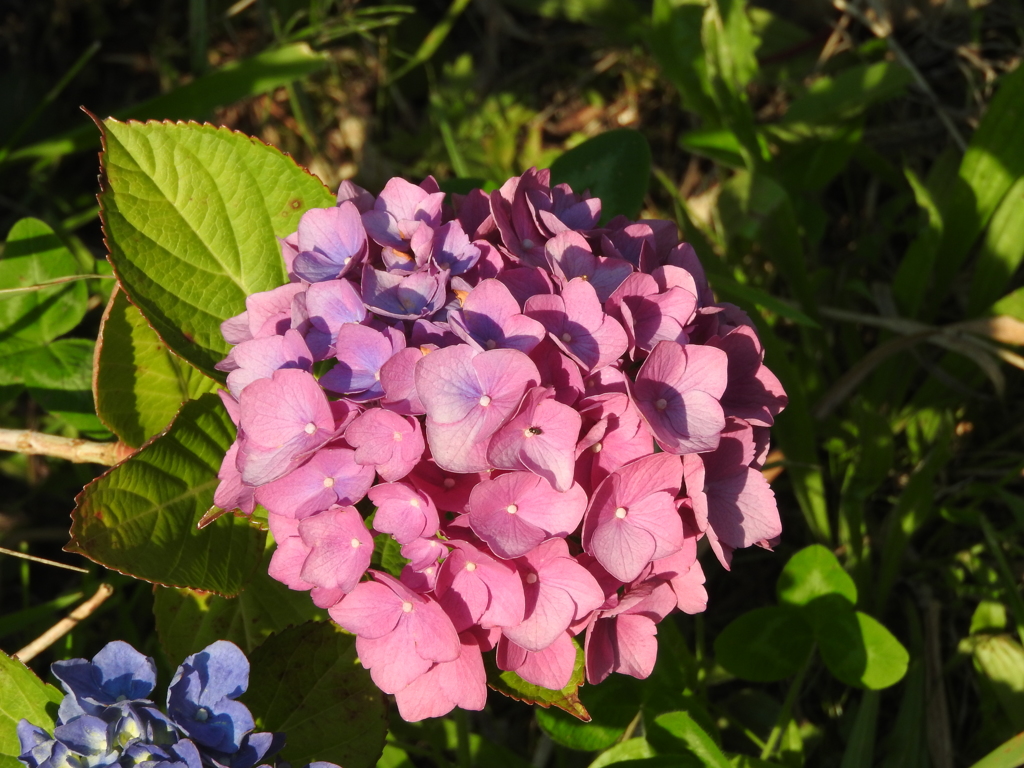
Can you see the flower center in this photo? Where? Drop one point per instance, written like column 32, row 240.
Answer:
column 328, row 482
column 661, row 403
column 485, row 400
column 414, row 503
column 406, row 607
column 429, row 570
column 397, row 436
column 310, row 428
column 202, row 715
column 566, row 338
column 511, row 509
column 448, row 483
column 596, row 447
column 355, row 543
column 620, row 512
column 376, row 375
column 470, row 567
column 527, row 243
column 491, row 344
column 531, row 578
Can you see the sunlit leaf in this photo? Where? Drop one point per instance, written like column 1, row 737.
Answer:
column 139, row 383
column 141, row 517
column 513, row 686
column 192, row 215
column 812, row 572
column 23, row 696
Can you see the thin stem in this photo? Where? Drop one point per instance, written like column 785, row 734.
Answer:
column 32, row 558
column 787, row 709
column 76, row 450
column 51, row 283
column 884, row 32
column 62, row 627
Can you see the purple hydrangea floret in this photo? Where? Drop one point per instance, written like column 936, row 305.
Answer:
column 546, row 413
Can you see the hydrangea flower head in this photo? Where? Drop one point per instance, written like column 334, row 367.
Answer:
column 543, row 413
column 104, row 720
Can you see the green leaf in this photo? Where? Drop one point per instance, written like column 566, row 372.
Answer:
column 191, row 214
column 187, row 620
column 612, row 705
column 140, row 518
column 33, row 254
column 999, row 659
column 24, row 696
column 387, row 554
column 615, row 166
column 860, row 749
column 139, row 383
column 197, row 100
column 830, row 99
column 812, row 572
column 993, row 162
column 630, row 749
column 675, row 41
column 718, row 144
column 1002, row 251
column 855, row 647
column 59, row 378
column 908, row 287
column 1008, row 755
column 678, row 732
column 512, row 685
column 306, row 682
column 988, row 617
column 765, row 644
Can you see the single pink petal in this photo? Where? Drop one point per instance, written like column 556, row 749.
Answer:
column 550, row 668
column 403, row 512
column 340, row 548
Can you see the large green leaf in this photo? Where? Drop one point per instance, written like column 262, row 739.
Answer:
column 513, row 686
column 629, row 750
column 1008, row 755
column 307, row 683
column 188, row 620
column 855, row 647
column 835, row 98
column 33, row 254
column 812, row 572
column 615, row 166
column 196, row 101
column 141, row 517
column 22, row 695
column 993, row 162
column 59, row 378
column 139, row 383
column 1001, row 252
column 678, row 732
column 676, row 44
column 612, row 705
column 765, row 644
column 191, row 214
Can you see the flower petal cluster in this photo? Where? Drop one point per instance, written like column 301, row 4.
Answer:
column 545, row 413
column 107, row 719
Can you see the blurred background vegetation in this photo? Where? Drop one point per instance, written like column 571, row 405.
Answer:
column 851, row 173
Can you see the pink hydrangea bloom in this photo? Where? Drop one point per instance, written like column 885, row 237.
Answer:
column 497, row 377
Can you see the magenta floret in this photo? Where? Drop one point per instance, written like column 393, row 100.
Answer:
column 546, row 415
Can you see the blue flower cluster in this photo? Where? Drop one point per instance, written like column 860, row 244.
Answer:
column 106, row 718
